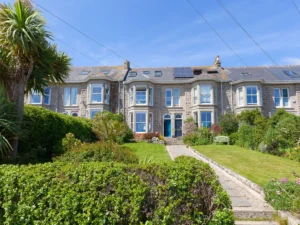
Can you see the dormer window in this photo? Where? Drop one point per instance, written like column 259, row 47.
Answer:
column 197, row 72
column 106, row 72
column 132, row 74
column 291, row 74
column 158, row 74
column 246, row 74
column 84, row 72
column 146, row 72
column 212, row 71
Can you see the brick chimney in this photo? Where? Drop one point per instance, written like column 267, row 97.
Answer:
column 126, row 64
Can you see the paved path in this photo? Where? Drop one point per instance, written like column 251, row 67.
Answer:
column 246, row 202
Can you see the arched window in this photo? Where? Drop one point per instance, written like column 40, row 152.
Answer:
column 178, row 116
column 167, row 117
column 74, row 114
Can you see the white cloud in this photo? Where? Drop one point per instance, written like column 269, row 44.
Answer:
column 291, row 60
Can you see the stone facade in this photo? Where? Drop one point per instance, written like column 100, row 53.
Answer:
column 227, row 93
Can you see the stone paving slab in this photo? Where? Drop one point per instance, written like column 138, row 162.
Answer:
column 246, row 202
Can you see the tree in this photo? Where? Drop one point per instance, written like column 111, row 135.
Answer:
column 229, row 123
column 28, row 61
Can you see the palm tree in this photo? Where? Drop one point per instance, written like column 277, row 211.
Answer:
column 27, row 58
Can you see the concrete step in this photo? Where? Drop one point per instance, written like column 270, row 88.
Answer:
column 240, row 222
column 173, row 141
column 252, row 213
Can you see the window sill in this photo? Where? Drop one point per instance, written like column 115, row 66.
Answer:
column 248, row 106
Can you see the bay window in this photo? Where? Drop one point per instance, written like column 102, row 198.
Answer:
column 150, row 100
column 251, row 92
column 240, row 96
column 96, row 93
column 195, row 115
column 93, row 112
column 70, row 96
column 206, row 119
column 195, row 95
column 47, row 96
column 140, row 122
column 140, row 95
column 36, row 97
column 205, row 95
column 281, row 97
column 131, row 96
column 106, row 93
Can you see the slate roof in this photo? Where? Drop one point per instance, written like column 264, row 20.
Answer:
column 115, row 73
column 266, row 74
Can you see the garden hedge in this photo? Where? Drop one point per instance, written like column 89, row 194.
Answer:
column 44, row 130
column 182, row 192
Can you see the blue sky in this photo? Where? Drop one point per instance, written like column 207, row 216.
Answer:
column 155, row 33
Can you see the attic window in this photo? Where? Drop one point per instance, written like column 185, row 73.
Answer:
column 84, row 72
column 146, row 72
column 197, row 72
column 106, row 72
column 291, row 74
column 212, row 71
column 132, row 74
column 158, row 74
column 246, row 74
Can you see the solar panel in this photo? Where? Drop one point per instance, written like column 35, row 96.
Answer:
column 183, row 72
column 291, row 74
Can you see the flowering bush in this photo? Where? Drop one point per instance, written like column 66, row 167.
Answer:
column 284, row 194
column 292, row 153
column 146, row 136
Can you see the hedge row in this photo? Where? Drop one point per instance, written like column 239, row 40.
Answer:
column 98, row 152
column 44, row 130
column 182, row 192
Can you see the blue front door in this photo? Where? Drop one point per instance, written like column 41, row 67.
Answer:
column 178, row 128
column 167, row 128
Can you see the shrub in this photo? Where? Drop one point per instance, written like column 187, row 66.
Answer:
column 110, row 127
column 229, row 123
column 147, row 136
column 45, row 129
column 283, row 194
column 189, row 126
column 245, row 136
column 233, row 138
column 70, row 142
column 215, row 130
column 202, row 137
column 182, row 192
column 99, row 152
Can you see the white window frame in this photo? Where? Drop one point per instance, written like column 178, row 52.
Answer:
column 146, row 123
column 37, row 94
column 281, row 98
column 211, row 118
column 257, row 96
column 146, row 97
column 240, row 96
column 168, row 98
column 205, row 95
column 195, row 95
column 69, row 103
column 106, row 95
column 100, row 93
column 131, row 91
column 176, row 97
column 49, row 95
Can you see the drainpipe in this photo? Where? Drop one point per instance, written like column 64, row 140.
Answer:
column 123, row 101
column 119, row 96
column 232, row 108
column 221, row 97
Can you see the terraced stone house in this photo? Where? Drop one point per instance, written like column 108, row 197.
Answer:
column 160, row 99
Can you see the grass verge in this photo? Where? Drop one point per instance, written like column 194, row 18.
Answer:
column 256, row 166
column 145, row 151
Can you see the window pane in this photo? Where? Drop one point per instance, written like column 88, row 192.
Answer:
column 285, row 102
column 47, row 96
column 205, row 93
column 96, row 98
column 96, row 89
column 240, row 97
column 150, row 96
column 140, row 122
column 277, row 93
column 251, row 95
column 285, row 93
column 74, row 96
column 168, row 93
column 141, row 97
column 94, row 111
column 47, row 91
column 176, row 97
column 35, row 98
column 206, row 119
column 67, row 96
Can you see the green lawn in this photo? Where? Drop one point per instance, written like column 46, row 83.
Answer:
column 256, row 166
column 145, row 151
